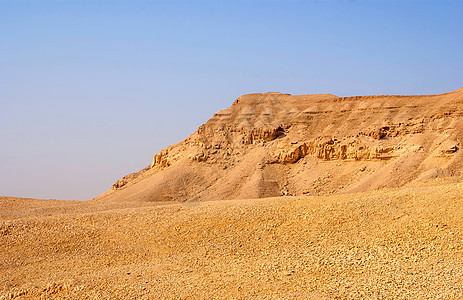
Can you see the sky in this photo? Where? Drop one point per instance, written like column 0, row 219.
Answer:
column 91, row 90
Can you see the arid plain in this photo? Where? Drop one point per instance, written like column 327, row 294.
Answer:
column 275, row 197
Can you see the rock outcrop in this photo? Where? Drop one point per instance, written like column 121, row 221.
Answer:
column 272, row 143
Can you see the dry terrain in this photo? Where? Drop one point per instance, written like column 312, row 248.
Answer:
column 273, row 144
column 275, row 197
column 404, row 243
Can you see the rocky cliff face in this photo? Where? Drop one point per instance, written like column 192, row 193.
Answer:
column 272, row 144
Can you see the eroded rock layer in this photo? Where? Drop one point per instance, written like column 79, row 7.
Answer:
column 276, row 144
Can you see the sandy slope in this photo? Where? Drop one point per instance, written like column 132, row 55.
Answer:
column 399, row 243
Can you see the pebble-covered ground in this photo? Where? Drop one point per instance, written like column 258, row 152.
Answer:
column 390, row 244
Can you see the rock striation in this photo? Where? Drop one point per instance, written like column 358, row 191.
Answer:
column 273, row 144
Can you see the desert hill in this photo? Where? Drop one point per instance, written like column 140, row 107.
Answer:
column 274, row 144
column 397, row 235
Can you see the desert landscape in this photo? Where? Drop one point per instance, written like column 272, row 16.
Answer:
column 276, row 197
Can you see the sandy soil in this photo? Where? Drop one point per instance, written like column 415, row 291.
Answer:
column 389, row 244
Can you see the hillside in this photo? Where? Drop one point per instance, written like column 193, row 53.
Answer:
column 274, row 144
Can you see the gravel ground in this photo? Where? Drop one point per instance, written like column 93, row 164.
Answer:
column 389, row 244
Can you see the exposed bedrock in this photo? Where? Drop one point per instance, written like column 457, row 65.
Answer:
column 290, row 142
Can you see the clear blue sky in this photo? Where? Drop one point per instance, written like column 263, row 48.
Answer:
column 90, row 90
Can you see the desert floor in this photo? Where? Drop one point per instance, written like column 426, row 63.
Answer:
column 402, row 243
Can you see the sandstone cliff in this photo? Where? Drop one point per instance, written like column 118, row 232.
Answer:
column 276, row 144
